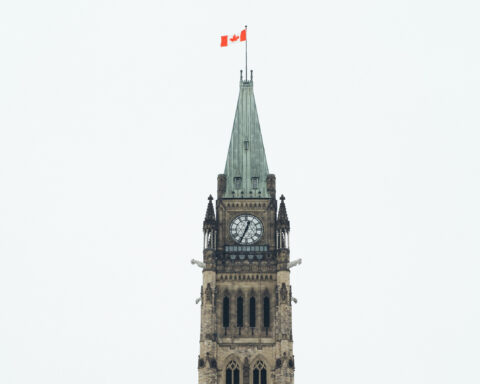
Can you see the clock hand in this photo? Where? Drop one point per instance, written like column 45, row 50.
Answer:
column 244, row 232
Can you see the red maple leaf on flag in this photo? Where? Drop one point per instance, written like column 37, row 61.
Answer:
column 235, row 38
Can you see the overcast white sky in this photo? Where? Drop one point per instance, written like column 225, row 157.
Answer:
column 115, row 118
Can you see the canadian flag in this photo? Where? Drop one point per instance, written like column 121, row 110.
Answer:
column 233, row 39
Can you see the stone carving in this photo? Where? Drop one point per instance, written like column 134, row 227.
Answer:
column 211, row 336
column 283, row 292
column 294, row 263
column 246, row 370
column 211, row 361
column 291, row 363
column 198, row 263
column 208, row 293
column 209, row 257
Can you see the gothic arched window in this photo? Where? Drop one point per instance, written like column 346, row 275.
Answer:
column 232, row 375
column 266, row 312
column 260, row 373
column 252, row 312
column 226, row 312
column 240, row 312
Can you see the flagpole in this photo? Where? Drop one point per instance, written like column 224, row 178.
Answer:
column 246, row 66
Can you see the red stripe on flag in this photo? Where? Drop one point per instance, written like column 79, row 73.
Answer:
column 243, row 35
column 224, row 41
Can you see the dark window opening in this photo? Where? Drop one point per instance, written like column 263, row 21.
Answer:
column 236, row 376
column 226, row 312
column 240, row 312
column 237, row 181
column 260, row 373
column 229, row 376
column 233, row 371
column 264, row 376
column 266, row 312
column 254, row 182
column 252, row 312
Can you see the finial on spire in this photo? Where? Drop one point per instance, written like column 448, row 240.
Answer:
column 246, row 66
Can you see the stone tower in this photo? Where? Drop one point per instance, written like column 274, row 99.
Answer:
column 246, row 297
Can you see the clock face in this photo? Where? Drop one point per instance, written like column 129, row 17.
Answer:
column 246, row 229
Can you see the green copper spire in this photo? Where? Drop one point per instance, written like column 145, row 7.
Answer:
column 246, row 169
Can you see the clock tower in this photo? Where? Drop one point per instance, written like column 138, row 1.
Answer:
column 246, row 296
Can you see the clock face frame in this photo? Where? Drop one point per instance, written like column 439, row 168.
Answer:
column 246, row 229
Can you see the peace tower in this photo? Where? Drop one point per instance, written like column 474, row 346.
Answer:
column 246, row 297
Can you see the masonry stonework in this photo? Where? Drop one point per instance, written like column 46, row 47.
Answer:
column 246, row 295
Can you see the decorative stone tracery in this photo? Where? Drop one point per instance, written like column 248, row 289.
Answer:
column 246, row 314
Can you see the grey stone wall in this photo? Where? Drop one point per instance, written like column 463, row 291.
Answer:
column 270, row 278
